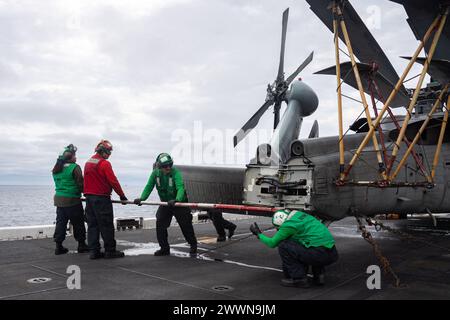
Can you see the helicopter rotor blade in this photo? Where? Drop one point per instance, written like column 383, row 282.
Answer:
column 368, row 49
column 280, row 76
column 314, row 133
column 300, row 68
column 252, row 122
column 276, row 112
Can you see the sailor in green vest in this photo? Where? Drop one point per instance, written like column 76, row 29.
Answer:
column 169, row 183
column 302, row 241
column 68, row 179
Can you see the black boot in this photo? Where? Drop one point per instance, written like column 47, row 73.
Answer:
column 96, row 255
column 318, row 276
column 231, row 231
column 298, row 283
column 114, row 254
column 162, row 252
column 193, row 250
column 82, row 247
column 60, row 249
column 221, row 238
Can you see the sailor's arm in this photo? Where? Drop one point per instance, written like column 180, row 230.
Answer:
column 282, row 234
column 149, row 186
column 112, row 179
column 78, row 177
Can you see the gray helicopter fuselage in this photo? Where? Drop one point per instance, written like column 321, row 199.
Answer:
column 335, row 202
column 315, row 173
column 301, row 174
column 307, row 183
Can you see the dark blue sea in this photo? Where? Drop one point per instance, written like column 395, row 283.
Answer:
column 33, row 205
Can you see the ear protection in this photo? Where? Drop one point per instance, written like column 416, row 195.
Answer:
column 156, row 164
column 67, row 153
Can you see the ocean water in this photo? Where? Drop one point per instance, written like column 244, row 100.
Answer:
column 33, row 205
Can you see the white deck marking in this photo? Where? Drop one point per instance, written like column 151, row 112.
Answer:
column 149, row 248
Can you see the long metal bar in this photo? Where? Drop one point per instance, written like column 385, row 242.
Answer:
column 441, row 139
column 391, row 96
column 418, row 135
column 234, row 207
column 417, row 92
column 361, row 91
column 339, row 96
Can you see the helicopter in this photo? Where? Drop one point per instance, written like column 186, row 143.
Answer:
column 388, row 164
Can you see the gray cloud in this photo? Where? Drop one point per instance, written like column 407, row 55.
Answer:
column 17, row 112
column 79, row 71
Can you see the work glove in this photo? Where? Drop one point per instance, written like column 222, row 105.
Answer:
column 254, row 228
column 171, row 203
column 138, row 201
column 123, row 198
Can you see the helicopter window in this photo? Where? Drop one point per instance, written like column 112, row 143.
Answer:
column 268, row 190
column 297, row 192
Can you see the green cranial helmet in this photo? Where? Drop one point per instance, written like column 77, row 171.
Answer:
column 279, row 217
column 68, row 152
column 164, row 160
column 71, row 148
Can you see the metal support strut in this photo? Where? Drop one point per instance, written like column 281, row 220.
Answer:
column 412, row 104
column 343, row 26
column 373, row 85
column 437, row 104
column 441, row 139
column 339, row 96
column 437, row 24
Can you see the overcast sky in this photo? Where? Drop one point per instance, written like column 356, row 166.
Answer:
column 147, row 74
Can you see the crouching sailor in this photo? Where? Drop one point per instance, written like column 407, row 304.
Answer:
column 68, row 179
column 302, row 241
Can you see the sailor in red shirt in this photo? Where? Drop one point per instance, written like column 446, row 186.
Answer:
column 99, row 181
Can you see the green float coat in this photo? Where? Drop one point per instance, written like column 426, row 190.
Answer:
column 170, row 186
column 302, row 228
column 65, row 184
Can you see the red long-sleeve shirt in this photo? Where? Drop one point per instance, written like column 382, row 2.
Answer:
column 99, row 178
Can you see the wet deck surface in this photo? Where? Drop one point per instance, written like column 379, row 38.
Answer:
column 245, row 267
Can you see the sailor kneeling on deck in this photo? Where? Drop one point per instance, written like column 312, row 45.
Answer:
column 170, row 186
column 302, row 241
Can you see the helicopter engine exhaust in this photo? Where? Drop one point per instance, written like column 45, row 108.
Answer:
column 302, row 102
